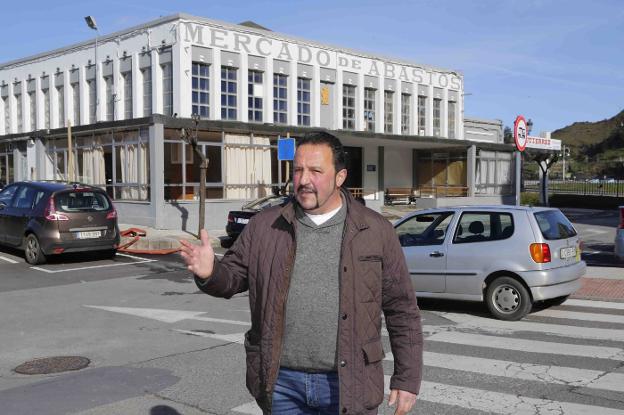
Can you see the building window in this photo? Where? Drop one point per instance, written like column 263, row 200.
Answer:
column 167, row 88
column 92, row 101
column 388, row 111
column 60, row 92
column 348, row 107
column 280, row 98
column 110, row 98
column 369, row 108
column 451, row 119
column 422, row 115
column 127, row 82
column 228, row 93
column 437, row 109
column 200, row 89
column 32, row 100
column 46, row 108
column 494, row 173
column 406, row 110
column 76, row 101
column 254, row 96
column 18, row 110
column 303, row 101
column 146, row 74
column 7, row 116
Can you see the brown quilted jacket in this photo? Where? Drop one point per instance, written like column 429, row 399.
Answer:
column 373, row 278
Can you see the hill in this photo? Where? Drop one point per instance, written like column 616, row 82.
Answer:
column 588, row 134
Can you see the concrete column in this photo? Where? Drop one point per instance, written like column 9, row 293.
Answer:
column 315, row 97
column 84, row 98
column 25, row 108
column 267, row 110
column 40, row 159
column 460, row 115
column 359, row 103
column 137, row 87
column 292, row 93
column 444, row 114
column 379, row 106
column 157, row 175
column 396, row 121
column 471, row 168
column 10, row 101
column 118, row 107
column 243, row 90
column 3, row 102
column 157, row 99
column 337, row 116
column 215, row 85
column 429, row 116
column 67, row 99
column 39, row 106
column 182, row 77
column 100, row 111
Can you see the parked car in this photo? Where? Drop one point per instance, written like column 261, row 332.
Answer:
column 506, row 256
column 237, row 219
column 47, row 218
column 619, row 237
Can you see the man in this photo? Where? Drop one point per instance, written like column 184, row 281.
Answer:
column 320, row 270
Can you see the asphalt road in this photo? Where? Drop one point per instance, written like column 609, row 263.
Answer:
column 157, row 345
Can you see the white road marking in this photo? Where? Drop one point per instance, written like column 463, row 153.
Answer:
column 117, row 264
column 558, row 375
column 575, row 315
column 168, row 316
column 238, row 338
column 9, row 260
column 522, row 345
column 481, row 400
column 500, row 326
column 595, row 304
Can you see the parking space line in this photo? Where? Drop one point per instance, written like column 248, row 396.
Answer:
column 9, row 260
column 139, row 261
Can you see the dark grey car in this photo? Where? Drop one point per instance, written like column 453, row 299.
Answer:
column 47, row 218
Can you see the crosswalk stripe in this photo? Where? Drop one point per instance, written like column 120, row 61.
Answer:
column 500, row 326
column 575, row 315
column 558, row 375
column 503, row 403
column 483, row 400
column 523, row 345
column 595, row 304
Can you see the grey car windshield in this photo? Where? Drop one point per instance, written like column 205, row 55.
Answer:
column 554, row 225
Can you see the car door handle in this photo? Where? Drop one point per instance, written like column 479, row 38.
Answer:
column 436, row 254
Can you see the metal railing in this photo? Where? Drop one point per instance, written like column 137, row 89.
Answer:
column 594, row 187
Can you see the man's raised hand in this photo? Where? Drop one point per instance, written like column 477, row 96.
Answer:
column 199, row 259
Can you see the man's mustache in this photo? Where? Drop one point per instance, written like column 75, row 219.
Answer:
column 306, row 189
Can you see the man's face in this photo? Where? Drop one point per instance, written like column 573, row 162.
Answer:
column 315, row 179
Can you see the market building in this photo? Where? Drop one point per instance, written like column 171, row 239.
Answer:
column 123, row 100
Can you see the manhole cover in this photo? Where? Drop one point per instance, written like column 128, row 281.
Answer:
column 49, row 365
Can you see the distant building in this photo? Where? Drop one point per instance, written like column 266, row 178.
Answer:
column 402, row 122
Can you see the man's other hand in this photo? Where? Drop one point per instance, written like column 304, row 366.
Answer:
column 404, row 400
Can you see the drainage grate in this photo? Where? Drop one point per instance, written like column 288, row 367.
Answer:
column 49, row 365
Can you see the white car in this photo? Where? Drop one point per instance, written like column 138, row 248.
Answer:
column 506, row 256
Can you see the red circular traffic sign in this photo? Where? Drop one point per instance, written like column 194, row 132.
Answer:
column 520, row 133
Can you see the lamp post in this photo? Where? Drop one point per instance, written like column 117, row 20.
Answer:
column 91, row 23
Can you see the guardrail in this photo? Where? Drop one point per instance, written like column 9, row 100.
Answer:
column 609, row 187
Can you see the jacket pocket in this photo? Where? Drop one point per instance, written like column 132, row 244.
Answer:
column 254, row 362
column 369, row 278
column 373, row 373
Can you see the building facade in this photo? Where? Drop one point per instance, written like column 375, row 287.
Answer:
column 113, row 116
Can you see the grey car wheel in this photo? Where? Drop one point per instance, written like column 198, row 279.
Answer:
column 508, row 299
column 32, row 250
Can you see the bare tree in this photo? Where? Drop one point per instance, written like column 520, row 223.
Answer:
column 190, row 137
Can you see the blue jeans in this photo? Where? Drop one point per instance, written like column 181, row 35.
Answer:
column 305, row 393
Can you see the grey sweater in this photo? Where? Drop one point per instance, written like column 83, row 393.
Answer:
column 311, row 321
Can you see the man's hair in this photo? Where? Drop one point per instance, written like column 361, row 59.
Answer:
column 322, row 137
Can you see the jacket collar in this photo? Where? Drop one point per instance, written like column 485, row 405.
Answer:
column 356, row 212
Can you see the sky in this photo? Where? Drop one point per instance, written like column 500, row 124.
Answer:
column 554, row 61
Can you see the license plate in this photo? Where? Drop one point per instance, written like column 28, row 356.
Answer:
column 244, row 221
column 88, row 235
column 566, row 253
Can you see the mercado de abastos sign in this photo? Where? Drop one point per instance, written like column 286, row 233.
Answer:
column 251, row 44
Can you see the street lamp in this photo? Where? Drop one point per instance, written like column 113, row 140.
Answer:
column 92, row 25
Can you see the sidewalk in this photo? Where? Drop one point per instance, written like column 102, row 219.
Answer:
column 599, row 283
